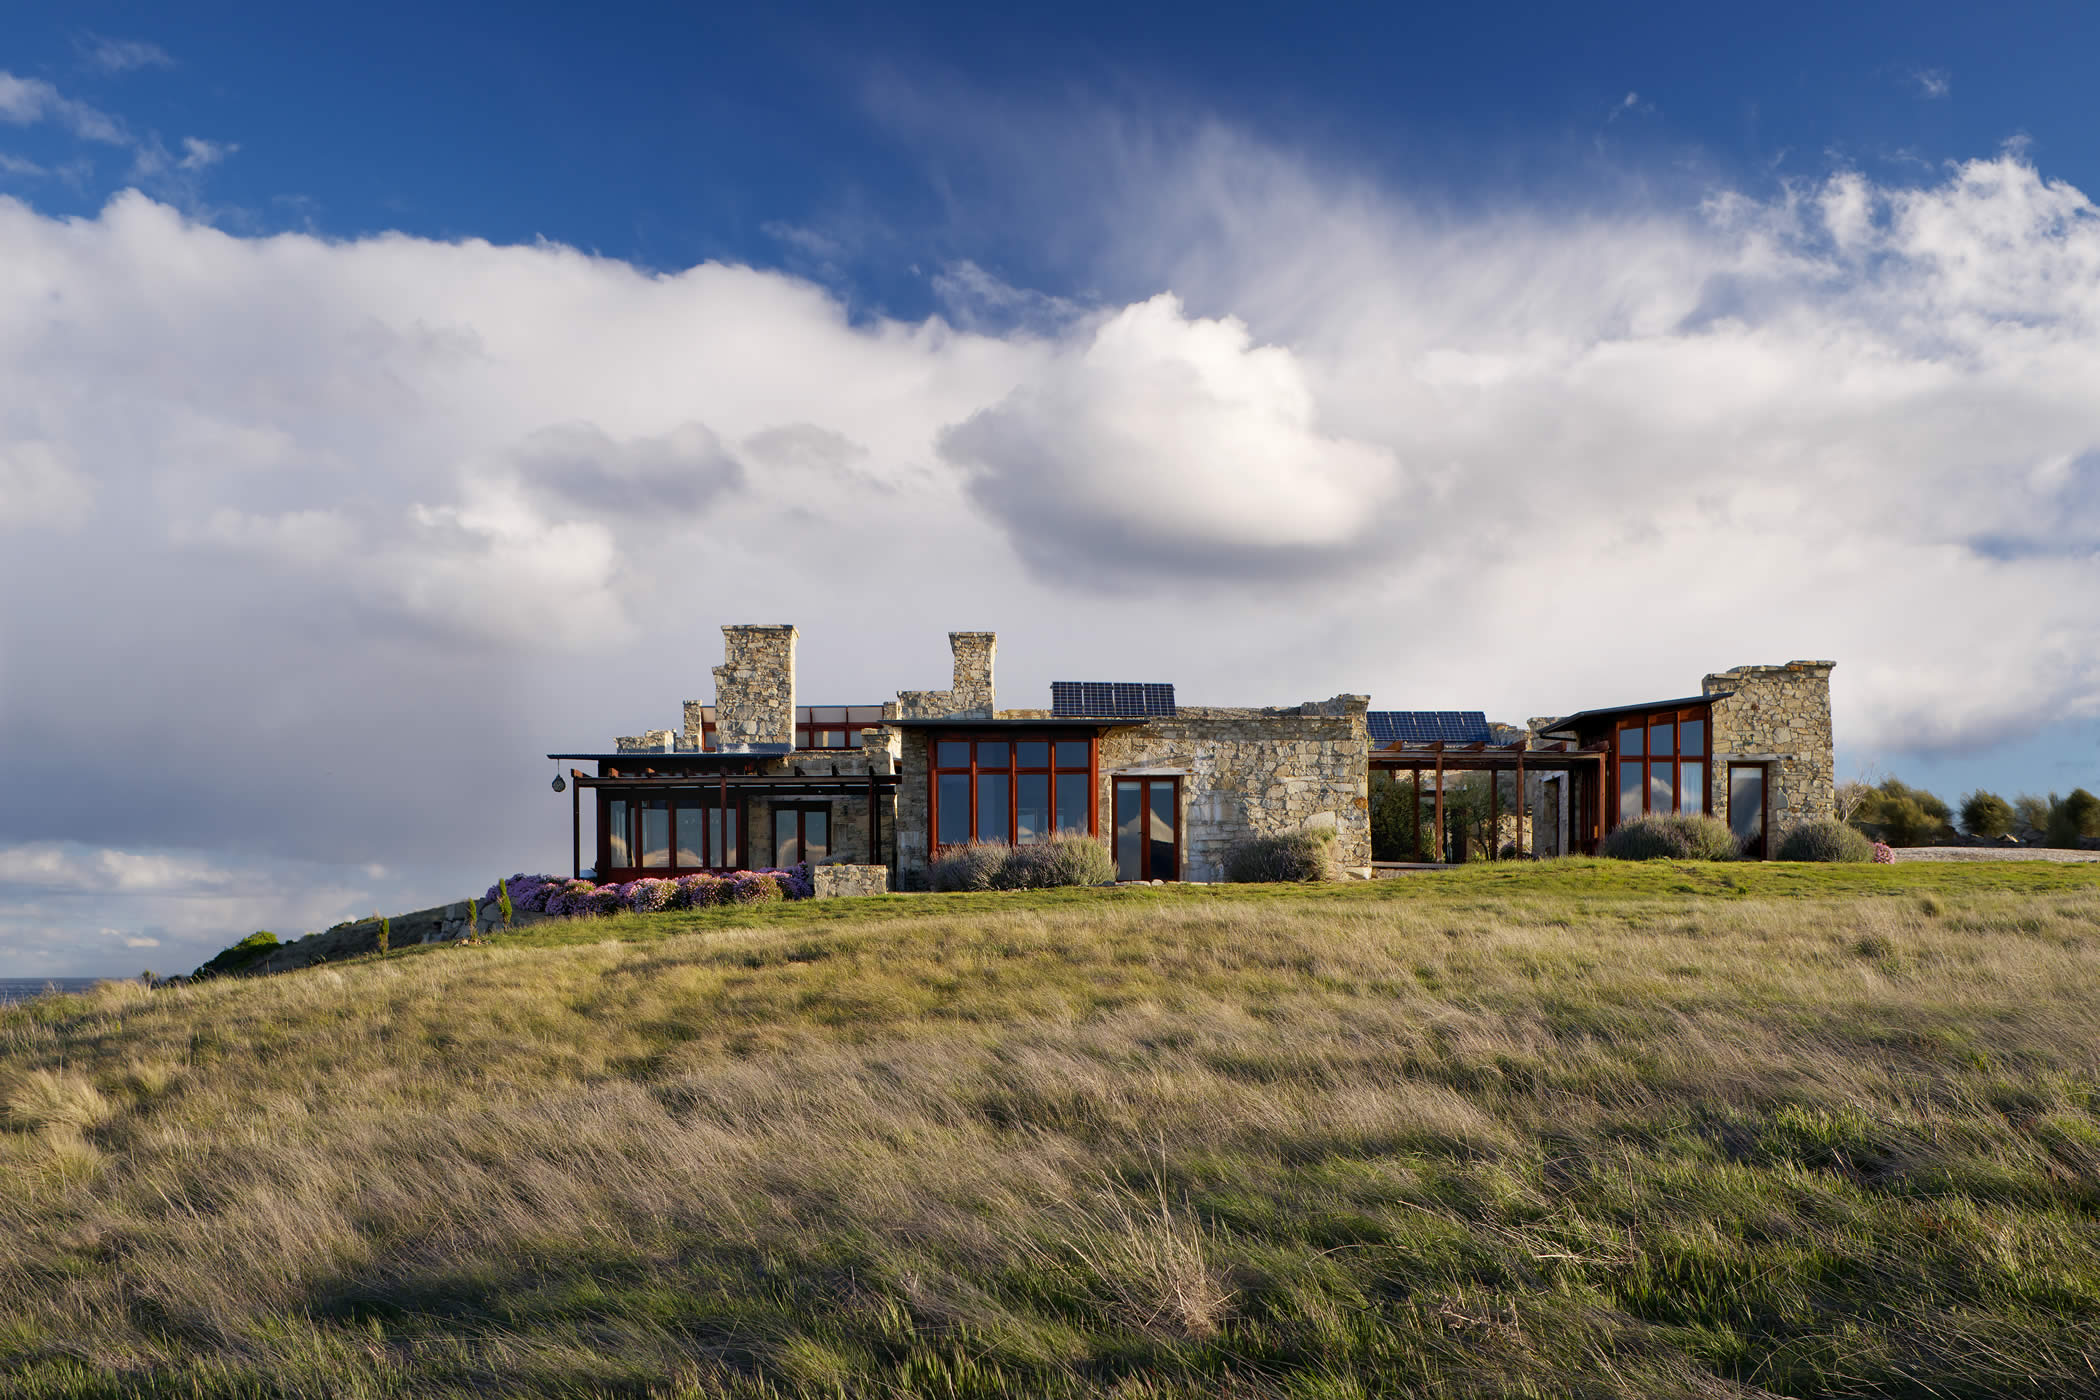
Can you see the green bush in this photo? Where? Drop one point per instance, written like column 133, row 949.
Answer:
column 1986, row 814
column 240, row 957
column 1825, row 840
column 2031, row 814
column 1673, row 836
column 2077, row 815
column 1294, row 857
column 1903, row 815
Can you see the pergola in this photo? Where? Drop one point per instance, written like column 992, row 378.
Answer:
column 1440, row 758
column 634, row 771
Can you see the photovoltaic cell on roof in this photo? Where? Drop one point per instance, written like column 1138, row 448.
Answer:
column 1111, row 700
column 1429, row 726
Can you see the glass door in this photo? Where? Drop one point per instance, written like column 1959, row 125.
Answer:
column 1746, row 808
column 1148, row 828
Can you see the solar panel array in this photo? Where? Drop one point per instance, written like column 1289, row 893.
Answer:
column 1429, row 726
column 1111, row 700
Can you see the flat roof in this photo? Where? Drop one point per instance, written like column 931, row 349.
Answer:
column 684, row 755
column 1061, row 722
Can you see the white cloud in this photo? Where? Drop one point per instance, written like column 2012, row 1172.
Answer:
column 122, row 55
column 27, row 101
column 199, row 154
column 1932, row 82
column 39, row 487
column 15, row 165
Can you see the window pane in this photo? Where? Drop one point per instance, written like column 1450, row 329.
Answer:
column 692, row 835
column 955, row 808
column 1661, row 797
column 1072, row 804
column 1662, row 738
column 991, row 755
column 786, row 849
column 1746, row 805
column 1630, row 741
column 656, row 832
column 828, row 714
column 1162, row 832
column 616, row 833
column 992, row 816
column 1691, row 786
column 952, row 753
column 1072, row 753
column 1031, row 807
column 1693, row 732
column 816, row 835
column 723, row 848
column 1632, row 777
column 1130, row 831
column 1032, row 753
column 853, row 738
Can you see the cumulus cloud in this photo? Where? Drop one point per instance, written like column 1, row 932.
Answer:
column 314, row 545
column 1160, row 445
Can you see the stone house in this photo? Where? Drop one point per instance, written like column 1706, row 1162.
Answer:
column 868, row 794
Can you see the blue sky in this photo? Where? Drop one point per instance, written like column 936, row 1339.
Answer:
column 396, row 394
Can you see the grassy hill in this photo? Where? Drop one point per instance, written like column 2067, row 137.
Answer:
column 1568, row 1130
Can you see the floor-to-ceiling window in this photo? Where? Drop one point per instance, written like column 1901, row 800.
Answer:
column 1011, row 789
column 1664, row 757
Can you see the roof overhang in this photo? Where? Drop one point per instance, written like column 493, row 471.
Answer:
column 1093, row 725
column 1614, row 711
column 691, row 755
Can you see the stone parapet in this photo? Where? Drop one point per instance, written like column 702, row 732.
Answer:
column 971, row 696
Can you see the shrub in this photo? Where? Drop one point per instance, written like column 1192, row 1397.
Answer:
column 794, row 883
column 2076, row 816
column 1672, row 836
column 1294, row 856
column 1825, row 840
column 2030, row 815
column 977, row 866
column 1060, row 862
column 1884, row 853
column 1903, row 815
column 1986, row 814
column 650, row 896
column 504, row 905
column 751, row 887
column 696, row 892
column 605, row 899
column 229, row 962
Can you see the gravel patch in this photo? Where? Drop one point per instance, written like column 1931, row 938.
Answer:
column 1992, row 853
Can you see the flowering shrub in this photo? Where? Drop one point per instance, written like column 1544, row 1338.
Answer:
column 1884, row 854
column 563, row 897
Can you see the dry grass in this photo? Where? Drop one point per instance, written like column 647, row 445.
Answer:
column 1469, row 1138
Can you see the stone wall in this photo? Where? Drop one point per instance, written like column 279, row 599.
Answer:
column 648, row 741
column 1779, row 716
column 846, row 881
column 755, row 687
column 1253, row 772
column 443, row 923
column 970, row 697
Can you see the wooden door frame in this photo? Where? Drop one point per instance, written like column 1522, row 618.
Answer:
column 1764, row 792
column 1145, row 806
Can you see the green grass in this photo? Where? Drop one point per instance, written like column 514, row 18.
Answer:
column 1571, row 1129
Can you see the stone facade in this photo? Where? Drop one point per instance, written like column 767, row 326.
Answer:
column 1253, row 772
column 754, row 687
column 1778, row 716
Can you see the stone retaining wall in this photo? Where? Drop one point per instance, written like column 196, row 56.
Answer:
column 845, row 881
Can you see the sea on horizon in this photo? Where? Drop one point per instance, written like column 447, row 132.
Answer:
column 23, row 988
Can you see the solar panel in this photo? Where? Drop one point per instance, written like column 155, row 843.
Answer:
column 1429, row 726
column 1111, row 700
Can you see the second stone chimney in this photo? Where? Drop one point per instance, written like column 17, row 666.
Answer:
column 974, row 652
column 755, row 687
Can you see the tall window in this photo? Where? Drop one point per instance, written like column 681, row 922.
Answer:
column 1663, row 761
column 1014, row 790
column 663, row 834
column 801, row 832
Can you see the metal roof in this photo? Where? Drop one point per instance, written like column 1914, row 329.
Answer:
column 1111, row 700
column 1570, row 721
column 687, row 755
column 1429, row 726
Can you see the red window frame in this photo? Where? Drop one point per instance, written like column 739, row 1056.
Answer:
column 831, row 730
column 734, row 835
column 1649, row 763
column 1012, row 771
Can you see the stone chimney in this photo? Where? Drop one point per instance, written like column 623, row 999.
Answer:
column 973, row 670
column 755, row 687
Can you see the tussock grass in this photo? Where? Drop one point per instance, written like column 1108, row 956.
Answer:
column 1556, row 1130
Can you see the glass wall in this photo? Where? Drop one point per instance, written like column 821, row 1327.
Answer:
column 1663, row 763
column 1014, row 790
